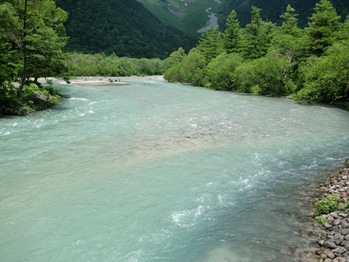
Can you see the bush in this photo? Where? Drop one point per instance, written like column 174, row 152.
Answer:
column 326, row 79
column 327, row 204
column 189, row 70
column 320, row 219
column 219, row 72
column 269, row 75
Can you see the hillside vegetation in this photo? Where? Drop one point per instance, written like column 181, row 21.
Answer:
column 310, row 64
column 123, row 27
column 188, row 16
column 193, row 16
column 271, row 9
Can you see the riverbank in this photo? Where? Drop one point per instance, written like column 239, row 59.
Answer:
column 327, row 236
column 34, row 97
column 40, row 95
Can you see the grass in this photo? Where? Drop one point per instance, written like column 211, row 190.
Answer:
column 327, row 204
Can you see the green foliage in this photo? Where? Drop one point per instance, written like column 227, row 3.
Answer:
column 102, row 65
column 175, row 58
column 310, row 64
column 34, row 97
column 324, row 22
column 290, row 22
column 320, row 219
column 327, row 204
column 326, row 79
column 288, row 38
column 256, row 36
column 219, row 72
column 271, row 9
column 123, row 27
column 189, row 70
column 10, row 57
column 211, row 44
column 346, row 205
column 264, row 76
column 232, row 33
column 32, row 36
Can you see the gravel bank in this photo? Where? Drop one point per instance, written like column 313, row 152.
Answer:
column 329, row 239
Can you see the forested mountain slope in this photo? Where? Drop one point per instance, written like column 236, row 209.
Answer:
column 124, row 27
column 129, row 28
column 190, row 15
column 186, row 15
column 271, row 9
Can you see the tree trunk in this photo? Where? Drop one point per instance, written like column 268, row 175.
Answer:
column 24, row 50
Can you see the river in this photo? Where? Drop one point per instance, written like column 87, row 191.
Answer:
column 151, row 171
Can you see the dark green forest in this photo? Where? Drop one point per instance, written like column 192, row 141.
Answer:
column 123, row 27
column 310, row 64
column 271, row 9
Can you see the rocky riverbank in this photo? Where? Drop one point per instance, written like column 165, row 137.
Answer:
column 328, row 237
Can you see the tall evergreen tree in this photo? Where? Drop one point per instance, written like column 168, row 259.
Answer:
column 10, row 42
column 211, row 44
column 232, row 33
column 34, row 33
column 175, row 57
column 256, row 36
column 323, row 25
column 290, row 22
column 287, row 40
column 343, row 32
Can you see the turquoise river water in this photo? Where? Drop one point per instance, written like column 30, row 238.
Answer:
column 151, row 171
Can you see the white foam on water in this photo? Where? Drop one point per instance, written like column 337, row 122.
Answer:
column 78, row 99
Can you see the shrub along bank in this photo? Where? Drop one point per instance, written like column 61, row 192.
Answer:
column 33, row 98
column 310, row 64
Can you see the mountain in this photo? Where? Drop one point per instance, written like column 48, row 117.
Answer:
column 155, row 28
column 188, row 15
column 272, row 9
column 124, row 27
column 192, row 15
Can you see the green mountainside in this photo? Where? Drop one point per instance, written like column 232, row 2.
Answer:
column 186, row 15
column 271, row 9
column 123, row 27
column 155, row 28
column 191, row 15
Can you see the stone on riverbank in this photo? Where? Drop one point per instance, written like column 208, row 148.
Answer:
column 333, row 234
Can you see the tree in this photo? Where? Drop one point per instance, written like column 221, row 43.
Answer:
column 10, row 59
column 211, row 44
column 323, row 25
column 175, row 57
column 219, row 72
column 343, row 32
column 326, row 79
column 290, row 22
column 256, row 36
column 287, row 43
column 32, row 37
column 35, row 35
column 264, row 76
column 232, row 33
column 189, row 70
column 45, row 40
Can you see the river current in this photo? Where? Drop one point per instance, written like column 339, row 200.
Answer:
column 151, row 171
